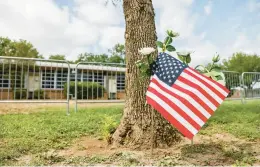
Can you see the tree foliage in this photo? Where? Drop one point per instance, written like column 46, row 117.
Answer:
column 117, row 55
column 90, row 57
column 242, row 62
column 57, row 57
column 20, row 48
column 23, row 48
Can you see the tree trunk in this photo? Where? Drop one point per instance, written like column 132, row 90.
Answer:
column 135, row 127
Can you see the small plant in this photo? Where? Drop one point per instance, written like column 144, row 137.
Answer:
column 109, row 128
column 166, row 45
column 185, row 57
column 167, row 161
column 145, row 65
column 213, row 70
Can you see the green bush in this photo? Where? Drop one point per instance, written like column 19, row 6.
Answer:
column 89, row 90
column 20, row 93
column 39, row 94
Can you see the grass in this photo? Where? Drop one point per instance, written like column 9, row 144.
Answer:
column 38, row 132
column 240, row 120
column 34, row 133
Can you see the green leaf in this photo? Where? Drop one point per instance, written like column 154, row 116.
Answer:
column 138, row 63
column 170, row 48
column 159, row 44
column 214, row 78
column 168, row 40
column 188, row 59
column 181, row 58
column 219, row 77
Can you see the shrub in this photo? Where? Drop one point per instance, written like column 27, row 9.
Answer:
column 89, row 90
column 20, row 94
column 39, row 94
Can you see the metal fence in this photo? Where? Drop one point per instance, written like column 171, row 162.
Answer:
column 99, row 83
column 251, row 85
column 31, row 80
column 233, row 83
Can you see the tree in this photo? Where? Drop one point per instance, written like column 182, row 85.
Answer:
column 242, row 62
column 57, row 57
column 135, row 128
column 117, row 54
column 21, row 48
column 115, row 59
column 6, row 47
column 90, row 57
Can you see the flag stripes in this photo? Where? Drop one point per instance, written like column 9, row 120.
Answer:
column 189, row 102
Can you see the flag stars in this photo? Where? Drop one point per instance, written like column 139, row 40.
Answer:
column 167, row 68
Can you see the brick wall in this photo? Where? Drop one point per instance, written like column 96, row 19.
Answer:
column 4, row 94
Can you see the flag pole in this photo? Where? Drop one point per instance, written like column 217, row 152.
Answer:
column 152, row 129
column 152, row 126
column 192, row 141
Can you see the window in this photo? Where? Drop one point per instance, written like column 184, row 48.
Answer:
column 55, row 79
column 87, row 77
column 61, row 78
column 90, row 76
column 4, row 80
column 99, row 78
column 48, row 79
column 121, row 82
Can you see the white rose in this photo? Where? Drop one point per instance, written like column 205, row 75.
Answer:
column 146, row 51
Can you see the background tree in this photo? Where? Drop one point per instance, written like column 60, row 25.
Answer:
column 242, row 62
column 90, row 57
column 135, row 127
column 57, row 57
column 117, row 54
column 7, row 47
column 21, row 48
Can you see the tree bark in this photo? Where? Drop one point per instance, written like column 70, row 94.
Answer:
column 135, row 126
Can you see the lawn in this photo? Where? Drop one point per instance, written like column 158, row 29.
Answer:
column 40, row 132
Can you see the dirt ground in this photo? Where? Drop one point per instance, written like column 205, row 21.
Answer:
column 26, row 108
column 219, row 149
column 215, row 150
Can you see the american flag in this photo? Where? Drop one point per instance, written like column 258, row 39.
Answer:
column 182, row 95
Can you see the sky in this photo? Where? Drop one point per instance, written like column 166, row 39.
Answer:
column 71, row 27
